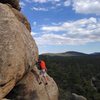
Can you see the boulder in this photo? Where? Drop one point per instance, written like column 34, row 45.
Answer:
column 18, row 55
column 18, row 50
column 27, row 90
column 13, row 3
column 96, row 82
column 77, row 97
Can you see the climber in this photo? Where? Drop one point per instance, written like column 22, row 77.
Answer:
column 43, row 70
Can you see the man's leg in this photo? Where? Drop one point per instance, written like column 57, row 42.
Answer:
column 45, row 77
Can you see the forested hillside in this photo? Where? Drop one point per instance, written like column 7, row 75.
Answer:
column 74, row 75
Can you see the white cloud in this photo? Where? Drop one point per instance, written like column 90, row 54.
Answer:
column 57, row 0
column 34, row 23
column 37, row 1
column 40, row 1
column 22, row 4
column 67, row 3
column 58, row 4
column 56, row 24
column 75, row 32
column 33, row 33
column 87, row 6
column 39, row 9
column 55, row 39
column 43, row 1
column 50, row 39
column 29, row 1
column 79, row 6
column 67, row 26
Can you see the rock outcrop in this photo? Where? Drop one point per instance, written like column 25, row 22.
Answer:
column 21, row 18
column 18, row 55
column 27, row 90
column 96, row 82
column 77, row 97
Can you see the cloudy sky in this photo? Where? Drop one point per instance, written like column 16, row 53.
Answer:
column 64, row 25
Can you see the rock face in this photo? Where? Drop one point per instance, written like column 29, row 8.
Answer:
column 31, row 90
column 21, row 18
column 18, row 54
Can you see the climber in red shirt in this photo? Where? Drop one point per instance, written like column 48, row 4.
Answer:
column 43, row 65
column 43, row 70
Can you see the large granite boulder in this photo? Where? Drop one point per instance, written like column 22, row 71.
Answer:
column 96, row 82
column 77, row 97
column 17, row 48
column 18, row 55
column 13, row 3
column 31, row 90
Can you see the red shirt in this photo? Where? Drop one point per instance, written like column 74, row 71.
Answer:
column 43, row 65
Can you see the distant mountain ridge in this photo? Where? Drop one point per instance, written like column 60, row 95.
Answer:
column 72, row 53
column 96, row 54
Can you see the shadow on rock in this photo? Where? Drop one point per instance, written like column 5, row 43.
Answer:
column 19, row 92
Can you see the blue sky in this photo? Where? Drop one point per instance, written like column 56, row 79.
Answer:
column 64, row 25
